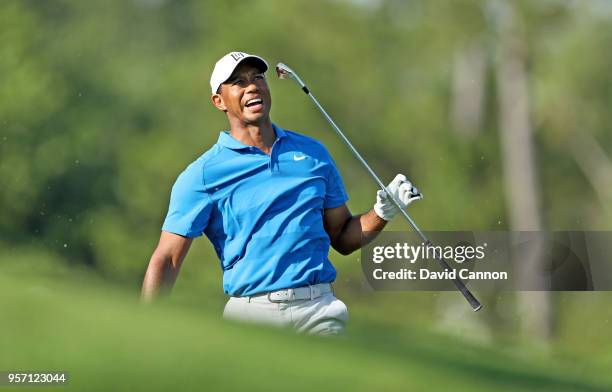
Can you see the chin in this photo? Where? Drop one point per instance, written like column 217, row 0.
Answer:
column 256, row 118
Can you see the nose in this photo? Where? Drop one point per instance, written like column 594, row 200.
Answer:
column 252, row 87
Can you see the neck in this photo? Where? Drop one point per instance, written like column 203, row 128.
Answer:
column 259, row 135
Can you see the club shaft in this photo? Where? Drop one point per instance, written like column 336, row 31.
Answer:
column 368, row 168
column 474, row 303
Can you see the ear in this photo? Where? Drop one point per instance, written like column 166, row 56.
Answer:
column 217, row 100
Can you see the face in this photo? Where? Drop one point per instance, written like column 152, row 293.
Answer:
column 245, row 96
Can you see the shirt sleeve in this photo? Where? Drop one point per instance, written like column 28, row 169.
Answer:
column 190, row 205
column 335, row 194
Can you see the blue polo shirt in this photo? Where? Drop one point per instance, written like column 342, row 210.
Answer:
column 262, row 213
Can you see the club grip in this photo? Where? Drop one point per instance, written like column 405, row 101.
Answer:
column 474, row 303
column 467, row 294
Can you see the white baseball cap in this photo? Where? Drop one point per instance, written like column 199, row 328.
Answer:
column 227, row 64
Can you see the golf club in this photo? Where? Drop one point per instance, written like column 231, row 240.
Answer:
column 284, row 72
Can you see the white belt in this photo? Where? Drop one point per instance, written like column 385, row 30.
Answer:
column 306, row 292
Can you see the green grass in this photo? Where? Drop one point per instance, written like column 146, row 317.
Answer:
column 107, row 341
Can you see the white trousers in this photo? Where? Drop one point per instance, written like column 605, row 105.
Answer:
column 325, row 315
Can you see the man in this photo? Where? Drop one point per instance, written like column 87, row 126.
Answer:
column 271, row 202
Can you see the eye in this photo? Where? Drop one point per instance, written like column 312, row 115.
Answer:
column 259, row 77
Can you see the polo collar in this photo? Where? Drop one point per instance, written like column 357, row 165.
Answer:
column 226, row 140
column 280, row 132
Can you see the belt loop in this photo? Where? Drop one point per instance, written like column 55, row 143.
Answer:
column 331, row 285
column 248, row 298
column 311, row 295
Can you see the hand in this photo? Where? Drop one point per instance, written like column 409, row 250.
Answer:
column 402, row 190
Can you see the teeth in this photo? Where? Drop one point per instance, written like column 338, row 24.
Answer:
column 254, row 100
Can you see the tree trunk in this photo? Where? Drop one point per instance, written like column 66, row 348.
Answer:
column 469, row 77
column 519, row 168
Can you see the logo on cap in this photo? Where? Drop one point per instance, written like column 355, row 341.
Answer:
column 237, row 55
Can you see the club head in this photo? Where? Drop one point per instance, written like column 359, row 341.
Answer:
column 284, row 72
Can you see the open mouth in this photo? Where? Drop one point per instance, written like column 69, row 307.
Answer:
column 254, row 103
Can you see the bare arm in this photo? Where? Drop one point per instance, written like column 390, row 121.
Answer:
column 164, row 265
column 349, row 233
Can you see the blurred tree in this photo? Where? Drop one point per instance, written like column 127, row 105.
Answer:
column 520, row 169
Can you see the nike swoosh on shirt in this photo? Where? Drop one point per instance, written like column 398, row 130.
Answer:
column 299, row 157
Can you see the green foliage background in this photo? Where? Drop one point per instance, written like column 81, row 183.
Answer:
column 103, row 103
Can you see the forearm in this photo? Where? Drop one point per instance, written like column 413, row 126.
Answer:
column 358, row 231
column 159, row 278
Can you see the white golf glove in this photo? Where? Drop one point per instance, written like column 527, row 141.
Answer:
column 404, row 193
